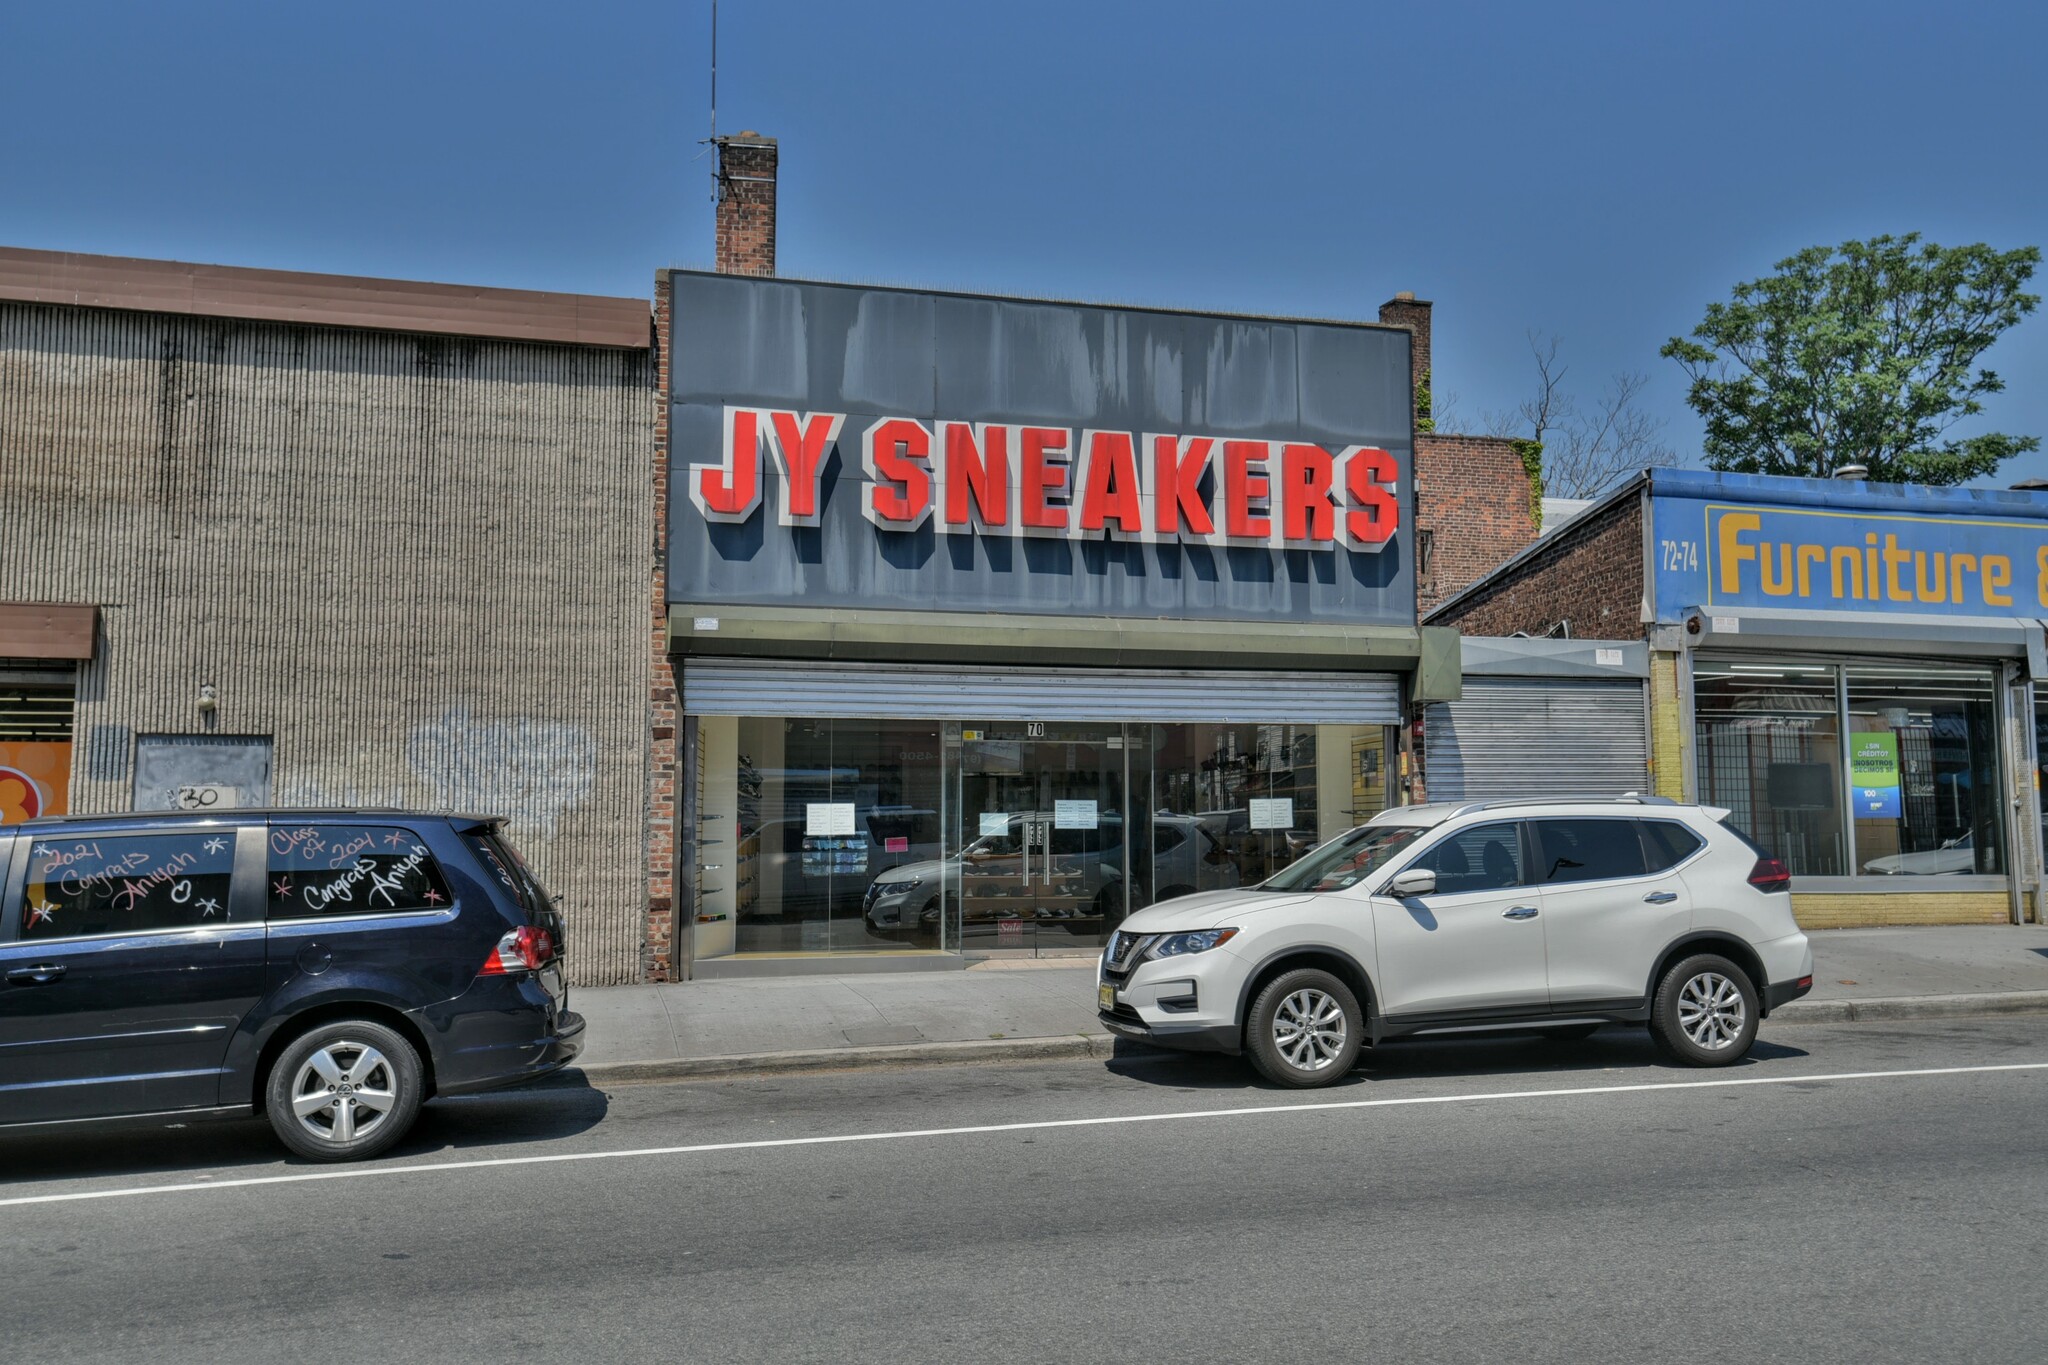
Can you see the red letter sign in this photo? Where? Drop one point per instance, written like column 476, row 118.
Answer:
column 1043, row 454
column 1247, row 495
column 731, row 490
column 1308, row 518
column 1109, row 485
column 800, row 446
column 1369, row 476
column 1177, row 465
column 898, row 493
column 974, row 477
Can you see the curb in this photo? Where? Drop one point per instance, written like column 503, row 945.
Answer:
column 1080, row 1045
column 1910, row 1007
column 1102, row 1045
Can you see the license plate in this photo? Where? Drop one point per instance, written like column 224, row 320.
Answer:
column 1105, row 996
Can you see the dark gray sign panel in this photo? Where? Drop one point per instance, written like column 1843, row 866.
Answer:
column 844, row 446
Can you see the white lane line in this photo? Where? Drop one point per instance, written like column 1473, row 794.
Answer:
column 370, row 1172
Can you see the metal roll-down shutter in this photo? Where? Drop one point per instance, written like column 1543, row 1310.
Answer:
column 1537, row 737
column 752, row 687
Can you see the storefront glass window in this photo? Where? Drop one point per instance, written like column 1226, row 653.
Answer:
column 1001, row 836
column 1768, row 747
column 1909, row 788
column 1924, row 786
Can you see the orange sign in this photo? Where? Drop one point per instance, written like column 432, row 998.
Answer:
column 35, row 779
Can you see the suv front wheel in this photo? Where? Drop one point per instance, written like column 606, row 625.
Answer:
column 344, row 1091
column 1305, row 1029
column 1704, row 1012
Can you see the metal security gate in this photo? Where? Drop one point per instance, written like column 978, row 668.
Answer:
column 1537, row 737
column 754, row 687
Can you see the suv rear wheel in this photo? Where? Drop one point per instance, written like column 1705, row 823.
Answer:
column 344, row 1091
column 1305, row 1029
column 1704, row 1013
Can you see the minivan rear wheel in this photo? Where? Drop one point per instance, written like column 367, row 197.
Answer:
column 1704, row 1012
column 344, row 1091
column 1304, row 1029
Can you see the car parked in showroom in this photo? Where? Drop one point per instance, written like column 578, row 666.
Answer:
column 1462, row 918
column 330, row 970
column 992, row 878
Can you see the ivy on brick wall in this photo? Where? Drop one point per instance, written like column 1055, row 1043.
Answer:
column 1532, row 465
column 1424, row 421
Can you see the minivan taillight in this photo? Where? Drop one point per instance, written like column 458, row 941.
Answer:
column 1770, row 874
column 525, row 949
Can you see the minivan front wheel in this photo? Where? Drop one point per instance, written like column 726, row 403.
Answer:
column 344, row 1091
column 1704, row 1012
column 1304, row 1029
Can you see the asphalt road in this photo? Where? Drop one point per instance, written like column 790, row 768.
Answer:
column 1508, row 1200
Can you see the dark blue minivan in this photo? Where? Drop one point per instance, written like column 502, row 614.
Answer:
column 331, row 970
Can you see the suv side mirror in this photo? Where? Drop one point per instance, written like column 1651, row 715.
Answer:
column 1416, row 881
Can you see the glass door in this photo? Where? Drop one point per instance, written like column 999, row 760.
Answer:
column 1039, row 825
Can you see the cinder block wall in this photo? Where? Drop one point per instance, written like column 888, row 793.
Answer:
column 419, row 563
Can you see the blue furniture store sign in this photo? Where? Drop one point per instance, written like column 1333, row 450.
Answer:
column 1732, row 540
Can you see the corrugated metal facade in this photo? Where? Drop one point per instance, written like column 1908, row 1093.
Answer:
column 420, row 564
column 1527, row 737
column 739, row 687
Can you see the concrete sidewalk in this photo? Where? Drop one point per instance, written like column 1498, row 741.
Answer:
column 996, row 1009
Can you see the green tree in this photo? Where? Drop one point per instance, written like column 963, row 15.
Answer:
column 1859, row 354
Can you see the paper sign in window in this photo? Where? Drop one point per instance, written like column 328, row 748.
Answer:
column 1272, row 812
column 828, row 817
column 1073, row 815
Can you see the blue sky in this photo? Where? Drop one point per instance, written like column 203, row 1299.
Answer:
column 1594, row 171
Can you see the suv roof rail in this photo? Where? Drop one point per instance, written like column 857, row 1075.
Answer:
column 1629, row 798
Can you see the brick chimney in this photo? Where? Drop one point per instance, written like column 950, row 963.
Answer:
column 1405, row 310
column 746, row 205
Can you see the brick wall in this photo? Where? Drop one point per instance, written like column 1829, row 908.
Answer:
column 1589, row 574
column 746, row 204
column 1472, row 503
column 658, row 953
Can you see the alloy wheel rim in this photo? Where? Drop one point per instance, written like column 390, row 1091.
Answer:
column 344, row 1091
column 1711, row 1011
column 1309, row 1029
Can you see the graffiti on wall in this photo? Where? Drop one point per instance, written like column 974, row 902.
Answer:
column 534, row 771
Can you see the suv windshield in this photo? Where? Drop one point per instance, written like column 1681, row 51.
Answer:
column 1346, row 859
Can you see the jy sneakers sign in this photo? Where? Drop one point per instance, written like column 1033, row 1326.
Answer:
column 998, row 479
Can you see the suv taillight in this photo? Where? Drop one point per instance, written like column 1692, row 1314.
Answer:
column 525, row 949
column 1770, row 874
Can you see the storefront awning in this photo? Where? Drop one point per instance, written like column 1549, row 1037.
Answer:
column 1945, row 637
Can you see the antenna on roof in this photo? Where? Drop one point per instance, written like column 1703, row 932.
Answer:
column 712, row 141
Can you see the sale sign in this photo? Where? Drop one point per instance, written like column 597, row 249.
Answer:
column 1002, row 479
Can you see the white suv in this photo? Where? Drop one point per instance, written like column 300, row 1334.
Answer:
column 1555, row 915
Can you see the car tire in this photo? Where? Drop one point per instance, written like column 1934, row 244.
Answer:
column 1304, row 1029
column 1704, row 1012
column 353, row 1069
column 1570, row 1033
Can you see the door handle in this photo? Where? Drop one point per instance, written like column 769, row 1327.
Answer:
column 1521, row 912
column 42, row 974
column 1661, row 897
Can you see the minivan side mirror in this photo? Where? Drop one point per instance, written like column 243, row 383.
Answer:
column 1416, row 881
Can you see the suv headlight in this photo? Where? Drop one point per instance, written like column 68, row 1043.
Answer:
column 1200, row 941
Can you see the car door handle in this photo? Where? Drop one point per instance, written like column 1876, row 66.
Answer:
column 1521, row 912
column 42, row 974
column 1661, row 897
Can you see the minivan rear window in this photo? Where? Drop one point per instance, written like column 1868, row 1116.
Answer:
column 504, row 865
column 318, row 870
